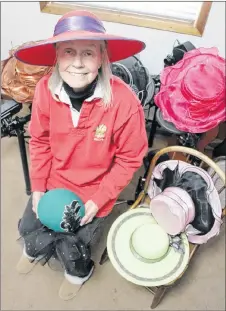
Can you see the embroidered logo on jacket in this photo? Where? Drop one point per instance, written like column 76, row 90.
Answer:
column 100, row 132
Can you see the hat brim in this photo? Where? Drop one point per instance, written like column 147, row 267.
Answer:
column 43, row 53
column 219, row 184
column 176, row 111
column 131, row 268
column 169, row 126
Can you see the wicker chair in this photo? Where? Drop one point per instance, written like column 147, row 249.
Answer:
column 185, row 154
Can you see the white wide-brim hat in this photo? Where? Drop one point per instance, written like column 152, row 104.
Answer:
column 142, row 252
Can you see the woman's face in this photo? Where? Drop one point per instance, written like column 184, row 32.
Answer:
column 78, row 62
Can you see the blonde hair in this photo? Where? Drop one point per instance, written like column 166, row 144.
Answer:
column 104, row 78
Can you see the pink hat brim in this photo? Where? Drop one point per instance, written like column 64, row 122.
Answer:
column 43, row 52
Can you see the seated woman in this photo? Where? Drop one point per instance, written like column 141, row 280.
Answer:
column 87, row 132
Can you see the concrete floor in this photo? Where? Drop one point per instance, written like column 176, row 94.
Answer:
column 201, row 288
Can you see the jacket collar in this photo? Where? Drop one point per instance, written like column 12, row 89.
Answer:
column 63, row 96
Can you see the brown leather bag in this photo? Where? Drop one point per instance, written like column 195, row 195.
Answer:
column 18, row 80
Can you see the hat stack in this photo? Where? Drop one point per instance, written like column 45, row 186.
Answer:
column 142, row 252
column 184, row 199
column 149, row 245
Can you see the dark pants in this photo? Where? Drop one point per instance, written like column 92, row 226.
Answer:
column 67, row 247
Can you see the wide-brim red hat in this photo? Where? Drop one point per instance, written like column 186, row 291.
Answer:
column 192, row 94
column 78, row 25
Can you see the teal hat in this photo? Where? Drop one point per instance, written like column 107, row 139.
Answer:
column 60, row 210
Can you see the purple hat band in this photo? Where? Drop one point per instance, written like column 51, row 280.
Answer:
column 85, row 23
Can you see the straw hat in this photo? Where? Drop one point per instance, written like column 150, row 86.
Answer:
column 142, row 252
column 78, row 25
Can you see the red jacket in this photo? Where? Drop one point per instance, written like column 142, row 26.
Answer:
column 96, row 159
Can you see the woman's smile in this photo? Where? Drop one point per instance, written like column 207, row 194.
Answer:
column 76, row 74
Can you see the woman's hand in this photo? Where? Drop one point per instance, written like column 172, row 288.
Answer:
column 36, row 196
column 91, row 210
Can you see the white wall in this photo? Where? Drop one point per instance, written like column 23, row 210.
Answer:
column 23, row 21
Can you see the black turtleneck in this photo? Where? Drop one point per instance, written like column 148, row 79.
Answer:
column 77, row 98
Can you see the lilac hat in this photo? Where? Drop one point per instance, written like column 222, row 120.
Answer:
column 173, row 209
column 200, row 187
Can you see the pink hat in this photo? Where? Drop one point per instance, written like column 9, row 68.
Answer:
column 78, row 25
column 173, row 209
column 192, row 94
column 199, row 185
